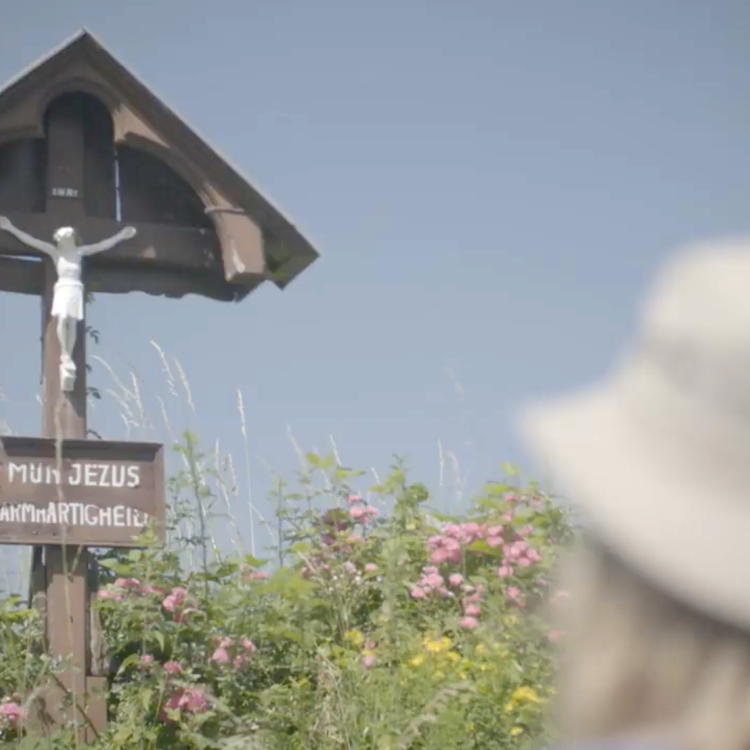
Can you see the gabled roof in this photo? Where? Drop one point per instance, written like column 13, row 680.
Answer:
column 291, row 251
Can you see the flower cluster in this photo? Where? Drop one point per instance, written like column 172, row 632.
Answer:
column 359, row 511
column 471, row 606
column 229, row 651
column 518, row 553
column 431, row 582
column 187, row 700
column 12, row 713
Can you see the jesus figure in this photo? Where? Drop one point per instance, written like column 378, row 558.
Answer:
column 67, row 298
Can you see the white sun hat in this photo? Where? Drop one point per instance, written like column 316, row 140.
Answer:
column 659, row 456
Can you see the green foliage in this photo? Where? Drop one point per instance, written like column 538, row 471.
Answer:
column 383, row 625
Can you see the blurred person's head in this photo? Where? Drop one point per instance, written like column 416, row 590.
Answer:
column 658, row 631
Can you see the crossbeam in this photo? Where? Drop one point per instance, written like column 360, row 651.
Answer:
column 26, row 276
column 155, row 246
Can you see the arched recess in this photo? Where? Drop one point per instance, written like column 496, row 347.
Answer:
column 151, row 191
column 81, row 115
column 22, row 175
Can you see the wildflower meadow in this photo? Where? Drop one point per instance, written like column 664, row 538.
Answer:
column 377, row 622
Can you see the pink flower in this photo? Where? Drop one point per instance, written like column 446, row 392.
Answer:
column 454, row 550
column 193, row 701
column 172, row 667
column 433, row 581
column 179, row 592
column 494, row 541
column 355, row 538
column 513, row 593
column 439, row 556
column 555, row 635
column 469, row 623
column 454, row 531
column 533, row 555
column 152, row 590
column 505, row 571
column 526, row 530
column 12, row 712
column 357, row 512
column 355, row 499
column 417, row 593
column 107, row 594
column 248, row 645
column 371, row 568
column 524, row 562
column 220, row 656
column 495, row 531
column 368, row 662
column 350, row 567
column 371, row 510
column 239, row 661
column 147, row 658
column 225, row 642
column 560, row 597
column 128, row 583
column 456, row 579
column 511, row 497
column 508, row 517
column 472, row 530
column 474, row 610
column 520, row 547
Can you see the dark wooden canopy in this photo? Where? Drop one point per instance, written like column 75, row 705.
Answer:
column 84, row 143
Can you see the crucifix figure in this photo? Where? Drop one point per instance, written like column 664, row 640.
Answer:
column 67, row 300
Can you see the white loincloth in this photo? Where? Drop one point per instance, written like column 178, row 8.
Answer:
column 67, row 299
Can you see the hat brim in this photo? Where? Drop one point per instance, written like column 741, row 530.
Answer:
column 667, row 520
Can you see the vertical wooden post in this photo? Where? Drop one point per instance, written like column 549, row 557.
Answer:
column 64, row 417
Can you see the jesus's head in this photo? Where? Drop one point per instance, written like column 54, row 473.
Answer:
column 66, row 237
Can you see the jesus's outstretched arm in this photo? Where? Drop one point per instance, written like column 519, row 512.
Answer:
column 100, row 247
column 27, row 239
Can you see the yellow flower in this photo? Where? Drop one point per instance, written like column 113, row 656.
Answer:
column 483, row 667
column 453, row 656
column 439, row 675
column 417, row 661
column 509, row 707
column 516, row 731
column 435, row 646
column 354, row 637
column 470, row 728
column 480, row 649
column 511, row 620
column 526, row 694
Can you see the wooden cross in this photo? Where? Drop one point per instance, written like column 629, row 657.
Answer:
column 84, row 144
column 63, row 572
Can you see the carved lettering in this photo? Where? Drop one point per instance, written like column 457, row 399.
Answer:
column 36, row 473
column 15, row 469
column 134, row 476
column 76, row 475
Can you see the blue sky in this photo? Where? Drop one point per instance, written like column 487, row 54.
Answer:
column 491, row 185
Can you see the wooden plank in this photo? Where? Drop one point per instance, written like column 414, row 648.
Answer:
column 21, row 276
column 26, row 276
column 100, row 494
column 155, row 245
column 66, row 597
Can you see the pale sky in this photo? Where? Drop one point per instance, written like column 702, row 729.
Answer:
column 490, row 183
